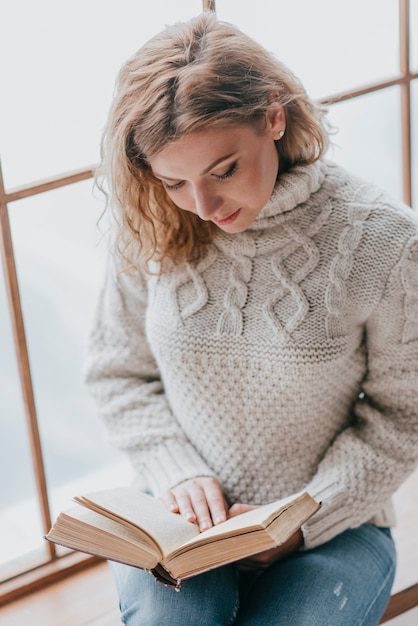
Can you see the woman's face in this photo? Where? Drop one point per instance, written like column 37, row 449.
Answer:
column 224, row 174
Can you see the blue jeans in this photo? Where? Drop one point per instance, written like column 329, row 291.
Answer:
column 345, row 582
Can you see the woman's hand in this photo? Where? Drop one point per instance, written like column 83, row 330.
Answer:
column 198, row 500
column 268, row 557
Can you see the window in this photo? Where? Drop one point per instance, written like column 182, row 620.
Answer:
column 57, row 70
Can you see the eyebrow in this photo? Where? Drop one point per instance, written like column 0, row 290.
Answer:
column 205, row 171
column 215, row 163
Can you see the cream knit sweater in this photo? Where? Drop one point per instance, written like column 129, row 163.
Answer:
column 287, row 359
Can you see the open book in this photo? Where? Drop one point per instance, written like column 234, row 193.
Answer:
column 123, row 524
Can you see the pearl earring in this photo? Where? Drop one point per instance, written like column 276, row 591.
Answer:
column 281, row 133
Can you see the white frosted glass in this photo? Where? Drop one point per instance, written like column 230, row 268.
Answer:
column 60, row 266
column 330, row 45
column 58, row 64
column 414, row 145
column 14, row 455
column 368, row 138
column 414, row 34
column 16, row 470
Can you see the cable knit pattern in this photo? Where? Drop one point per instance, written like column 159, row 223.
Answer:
column 286, row 359
column 336, row 293
column 231, row 320
column 199, row 295
column 290, row 284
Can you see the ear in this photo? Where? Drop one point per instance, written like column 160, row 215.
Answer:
column 276, row 121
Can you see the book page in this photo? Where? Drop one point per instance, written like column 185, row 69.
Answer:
column 167, row 530
column 80, row 528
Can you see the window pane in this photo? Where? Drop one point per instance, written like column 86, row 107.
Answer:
column 414, row 130
column 414, row 34
column 330, row 45
column 59, row 273
column 58, row 63
column 60, row 265
column 368, row 138
column 17, row 488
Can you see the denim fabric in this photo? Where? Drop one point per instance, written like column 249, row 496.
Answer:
column 345, row 582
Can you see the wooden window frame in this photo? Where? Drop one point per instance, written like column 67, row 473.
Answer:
column 54, row 565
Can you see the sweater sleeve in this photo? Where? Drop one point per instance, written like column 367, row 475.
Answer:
column 369, row 460
column 122, row 375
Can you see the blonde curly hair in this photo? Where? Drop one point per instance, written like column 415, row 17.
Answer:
column 192, row 74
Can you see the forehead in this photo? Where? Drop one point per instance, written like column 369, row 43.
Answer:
column 202, row 148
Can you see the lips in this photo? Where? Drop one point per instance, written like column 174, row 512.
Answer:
column 227, row 220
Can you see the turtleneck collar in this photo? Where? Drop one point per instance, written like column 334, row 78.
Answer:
column 292, row 188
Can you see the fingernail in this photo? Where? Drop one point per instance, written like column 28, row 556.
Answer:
column 190, row 517
column 219, row 519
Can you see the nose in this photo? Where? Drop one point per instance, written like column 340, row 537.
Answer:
column 207, row 203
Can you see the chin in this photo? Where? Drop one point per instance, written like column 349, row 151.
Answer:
column 234, row 229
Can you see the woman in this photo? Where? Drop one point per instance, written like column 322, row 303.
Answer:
column 257, row 333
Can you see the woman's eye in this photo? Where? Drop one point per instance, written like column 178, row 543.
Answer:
column 172, row 187
column 230, row 171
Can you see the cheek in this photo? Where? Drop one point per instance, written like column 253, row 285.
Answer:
column 249, row 185
column 263, row 177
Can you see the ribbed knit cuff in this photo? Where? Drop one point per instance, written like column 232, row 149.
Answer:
column 169, row 465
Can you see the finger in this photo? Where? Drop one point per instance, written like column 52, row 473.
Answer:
column 216, row 502
column 169, row 499
column 185, row 504
column 201, row 499
column 206, row 498
column 201, row 509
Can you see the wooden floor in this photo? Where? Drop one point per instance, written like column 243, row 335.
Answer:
column 89, row 598
column 86, row 599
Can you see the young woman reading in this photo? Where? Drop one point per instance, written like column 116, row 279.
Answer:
column 257, row 333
